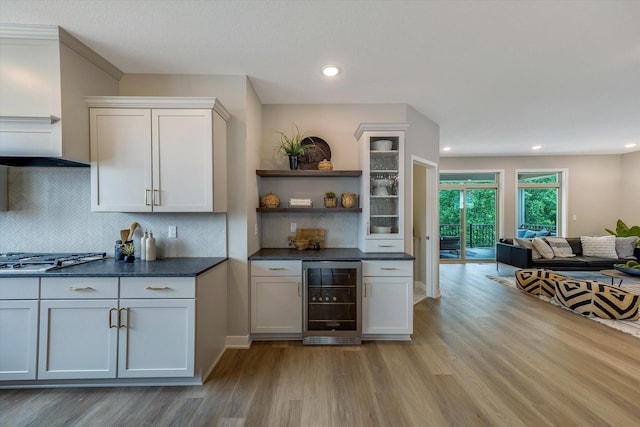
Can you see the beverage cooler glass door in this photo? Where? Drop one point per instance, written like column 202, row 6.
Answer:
column 332, row 302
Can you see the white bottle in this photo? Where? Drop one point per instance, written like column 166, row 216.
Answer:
column 151, row 247
column 143, row 246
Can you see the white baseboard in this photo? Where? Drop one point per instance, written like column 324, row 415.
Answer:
column 238, row 341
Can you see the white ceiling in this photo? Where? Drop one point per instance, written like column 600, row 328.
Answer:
column 498, row 76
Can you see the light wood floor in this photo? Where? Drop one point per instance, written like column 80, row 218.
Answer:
column 482, row 355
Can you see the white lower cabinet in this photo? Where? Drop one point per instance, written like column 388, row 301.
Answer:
column 276, row 297
column 78, row 339
column 78, row 327
column 154, row 329
column 18, row 328
column 157, row 339
column 148, row 337
column 387, row 298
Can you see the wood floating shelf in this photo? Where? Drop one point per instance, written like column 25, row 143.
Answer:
column 307, row 173
column 309, row 210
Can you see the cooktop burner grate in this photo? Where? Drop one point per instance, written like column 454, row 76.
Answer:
column 39, row 261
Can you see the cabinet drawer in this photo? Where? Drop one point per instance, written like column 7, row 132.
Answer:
column 19, row 288
column 276, row 268
column 157, row 287
column 387, row 268
column 79, row 287
column 383, row 245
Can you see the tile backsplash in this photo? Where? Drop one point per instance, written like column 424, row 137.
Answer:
column 50, row 211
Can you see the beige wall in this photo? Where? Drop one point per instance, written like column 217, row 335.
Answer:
column 336, row 124
column 630, row 196
column 594, row 187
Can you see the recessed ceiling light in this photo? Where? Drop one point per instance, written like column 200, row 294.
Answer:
column 536, row 147
column 330, row 71
column 629, row 145
column 446, row 148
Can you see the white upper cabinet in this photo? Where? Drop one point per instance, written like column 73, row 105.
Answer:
column 158, row 154
column 382, row 187
column 45, row 73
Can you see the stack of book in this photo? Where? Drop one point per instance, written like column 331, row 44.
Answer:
column 300, row 203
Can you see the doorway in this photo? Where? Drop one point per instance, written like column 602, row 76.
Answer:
column 468, row 216
column 424, row 231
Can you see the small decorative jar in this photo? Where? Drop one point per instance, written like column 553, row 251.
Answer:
column 348, row 200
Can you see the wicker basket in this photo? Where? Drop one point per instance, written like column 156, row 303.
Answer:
column 269, row 200
column 300, row 244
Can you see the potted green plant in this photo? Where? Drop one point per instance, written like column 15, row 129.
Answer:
column 128, row 250
column 330, row 200
column 623, row 230
column 292, row 146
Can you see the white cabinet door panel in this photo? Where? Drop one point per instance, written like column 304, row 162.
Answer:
column 76, row 340
column 159, row 338
column 120, row 159
column 387, row 305
column 276, row 305
column 182, row 142
column 18, row 339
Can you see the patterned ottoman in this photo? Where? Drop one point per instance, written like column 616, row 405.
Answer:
column 595, row 299
column 538, row 281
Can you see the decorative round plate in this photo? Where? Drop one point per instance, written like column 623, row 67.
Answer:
column 624, row 269
column 318, row 150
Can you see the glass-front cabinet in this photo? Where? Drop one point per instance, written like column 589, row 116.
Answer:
column 382, row 187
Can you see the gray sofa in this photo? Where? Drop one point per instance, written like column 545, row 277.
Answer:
column 518, row 256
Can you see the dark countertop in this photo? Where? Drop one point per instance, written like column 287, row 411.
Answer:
column 168, row 267
column 327, row 254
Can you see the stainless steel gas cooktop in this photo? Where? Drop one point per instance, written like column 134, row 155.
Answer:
column 33, row 262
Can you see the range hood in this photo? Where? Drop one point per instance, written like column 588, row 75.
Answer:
column 45, row 73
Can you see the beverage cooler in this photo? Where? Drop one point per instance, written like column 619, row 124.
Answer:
column 332, row 302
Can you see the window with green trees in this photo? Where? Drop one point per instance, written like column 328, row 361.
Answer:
column 538, row 201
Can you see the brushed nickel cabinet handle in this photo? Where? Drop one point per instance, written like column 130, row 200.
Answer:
column 365, row 290
column 120, row 324
column 385, row 246
column 299, row 294
column 151, row 288
column 146, row 197
column 388, row 268
column 111, row 325
column 276, row 268
column 155, row 200
column 86, row 288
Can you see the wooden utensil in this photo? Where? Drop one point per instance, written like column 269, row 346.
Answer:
column 133, row 227
column 124, row 234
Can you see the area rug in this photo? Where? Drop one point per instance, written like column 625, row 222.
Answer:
column 631, row 327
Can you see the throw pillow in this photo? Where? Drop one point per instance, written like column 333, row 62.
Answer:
column 599, row 246
column 527, row 244
column 625, row 246
column 521, row 233
column 543, row 247
column 561, row 248
column 529, row 234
